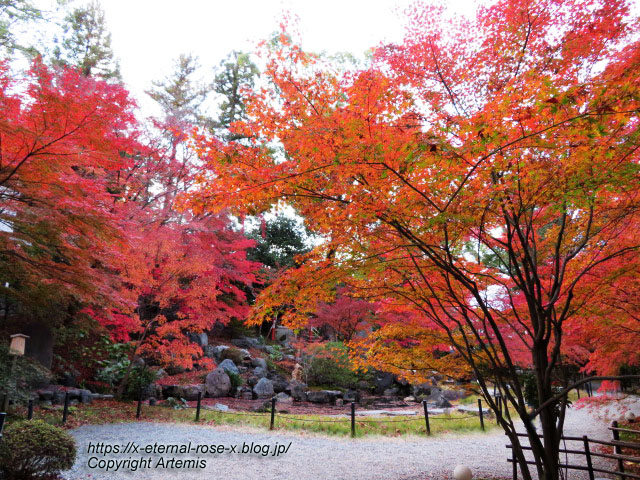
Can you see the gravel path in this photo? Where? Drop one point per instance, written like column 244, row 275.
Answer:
column 309, row 457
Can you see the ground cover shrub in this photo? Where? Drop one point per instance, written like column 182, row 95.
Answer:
column 35, row 450
column 329, row 366
column 19, row 375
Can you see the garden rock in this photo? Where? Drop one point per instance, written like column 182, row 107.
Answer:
column 245, row 393
column 280, row 384
column 45, row 395
column 351, row 396
column 218, row 383
column 297, row 391
column 382, row 381
column 228, row 366
column 85, row 396
column 323, row 396
column 283, row 398
column 218, row 350
column 259, row 363
column 260, row 372
column 454, row 394
column 191, row 392
column 209, row 351
column 247, row 342
column 442, row 402
column 58, row 397
column 422, row 390
column 264, row 388
column 201, row 339
column 174, row 391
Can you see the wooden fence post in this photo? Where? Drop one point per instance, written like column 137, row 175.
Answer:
column 198, row 407
column 616, row 449
column 426, row 416
column 30, row 409
column 139, row 409
column 3, row 416
column 587, row 452
column 65, row 411
column 273, row 413
column 353, row 419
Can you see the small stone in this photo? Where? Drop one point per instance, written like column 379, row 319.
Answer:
column 259, row 362
column 462, row 472
column 630, row 416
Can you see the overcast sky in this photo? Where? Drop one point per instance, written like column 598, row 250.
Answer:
column 147, row 35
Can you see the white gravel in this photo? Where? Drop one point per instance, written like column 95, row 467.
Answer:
column 315, row 457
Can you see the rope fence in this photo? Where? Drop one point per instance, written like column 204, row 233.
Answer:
column 273, row 414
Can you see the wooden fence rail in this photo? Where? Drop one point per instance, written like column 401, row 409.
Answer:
column 586, row 450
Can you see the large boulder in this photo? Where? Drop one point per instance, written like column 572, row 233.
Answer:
column 280, row 384
column 228, row 366
column 218, row 383
column 323, row 396
column 191, row 391
column 298, row 391
column 382, row 381
column 264, row 388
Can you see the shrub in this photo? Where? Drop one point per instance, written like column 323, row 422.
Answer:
column 18, row 381
column 330, row 366
column 35, row 450
column 233, row 354
column 139, row 378
column 236, row 381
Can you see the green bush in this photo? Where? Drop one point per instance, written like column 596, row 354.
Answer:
column 35, row 450
column 139, row 378
column 114, row 368
column 330, row 366
column 236, row 381
column 18, row 380
column 233, row 354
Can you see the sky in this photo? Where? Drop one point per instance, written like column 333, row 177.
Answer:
column 148, row 35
